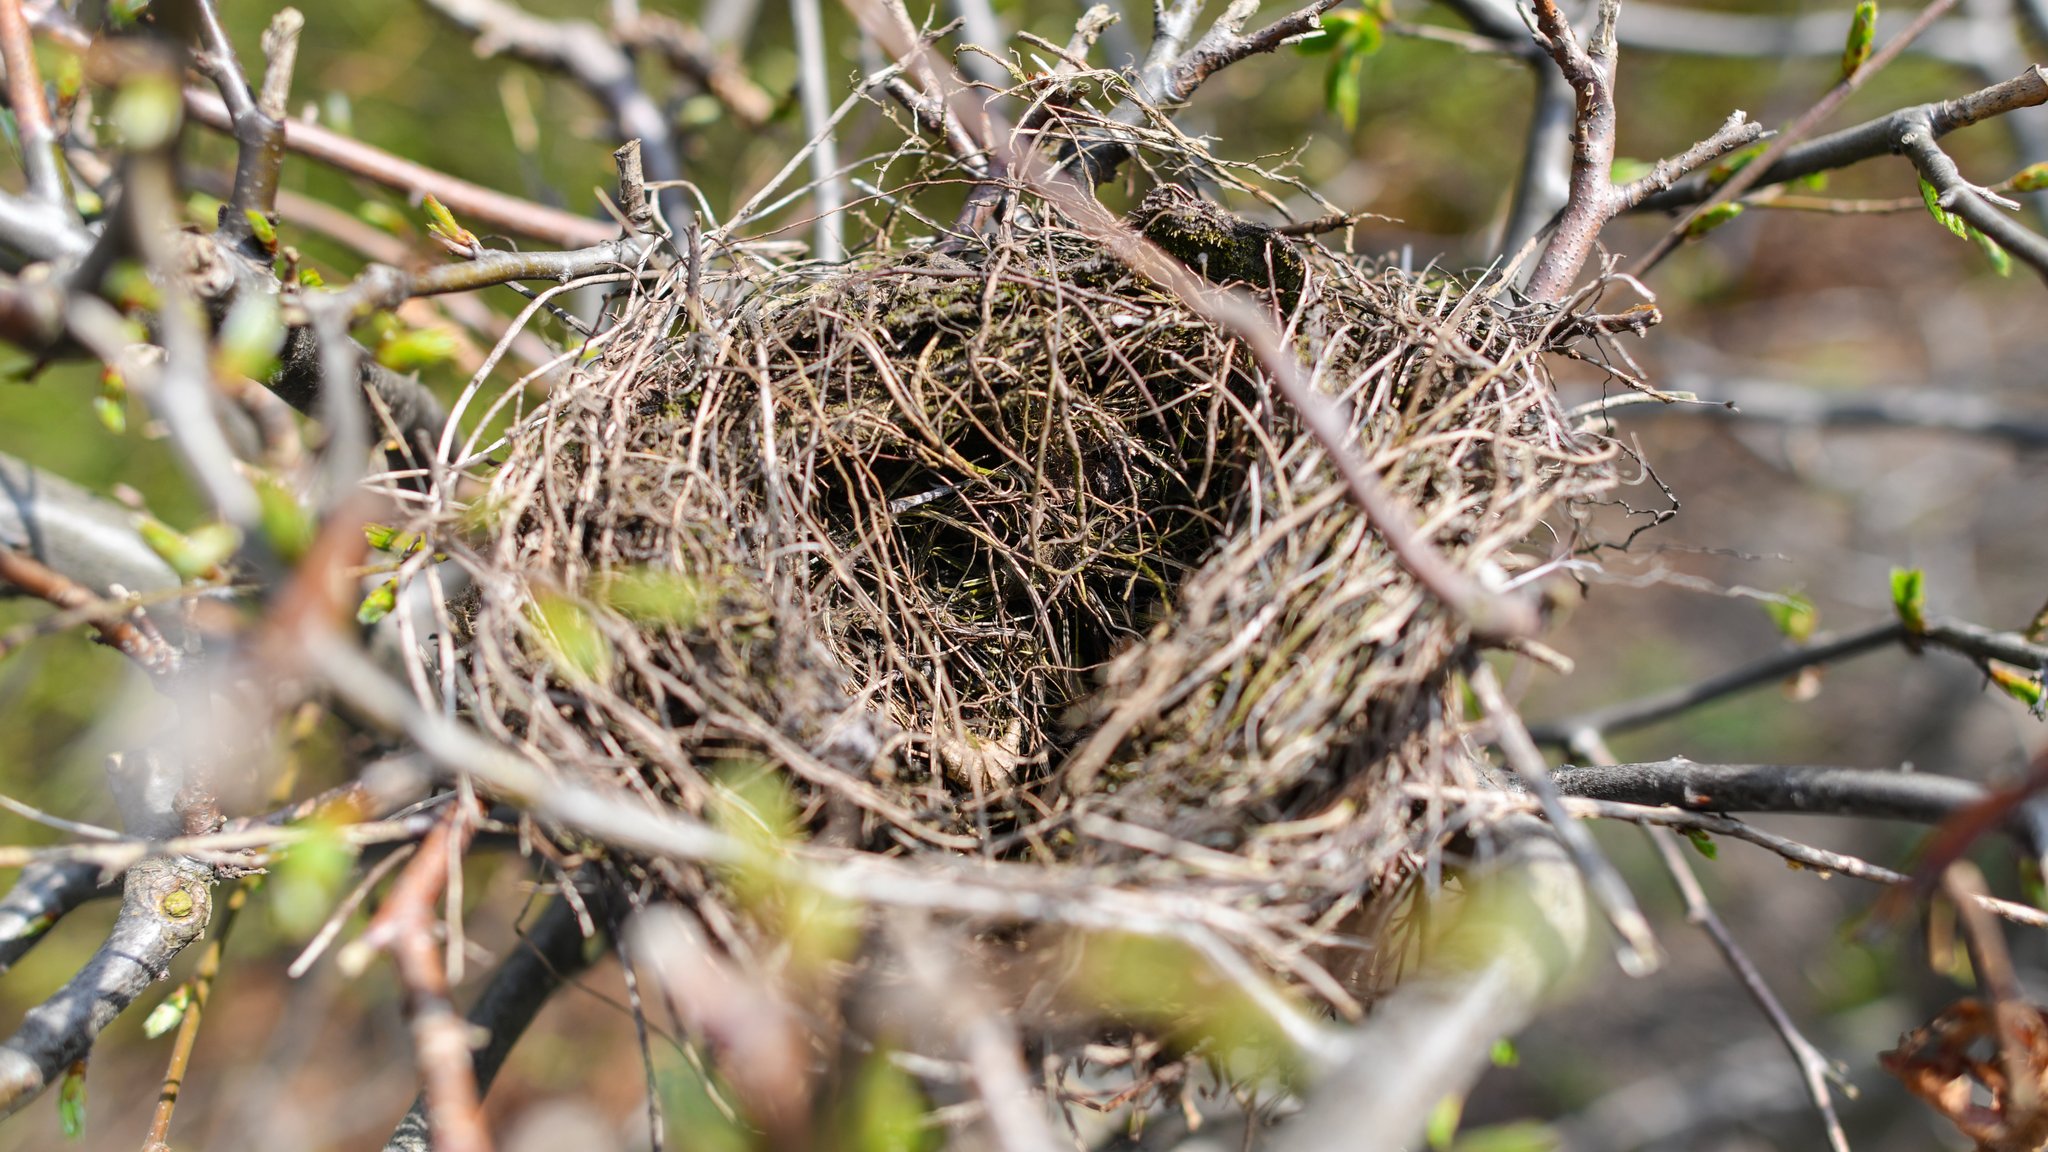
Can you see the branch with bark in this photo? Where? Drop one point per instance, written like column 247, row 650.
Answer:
column 1594, row 198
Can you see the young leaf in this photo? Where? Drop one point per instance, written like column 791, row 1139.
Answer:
column 1443, row 1122
column 444, row 228
column 166, row 1015
column 1702, row 843
column 2032, row 178
column 379, row 603
column 2001, row 261
column 416, row 348
column 1862, row 30
column 71, row 1101
column 1712, row 218
column 261, row 228
column 1946, row 218
column 1909, row 598
column 194, row 554
column 575, row 644
column 2018, row 685
column 1794, row 615
column 286, row 523
column 1504, row 1054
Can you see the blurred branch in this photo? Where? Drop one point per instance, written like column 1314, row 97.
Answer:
column 137, row 642
column 545, row 957
column 88, row 539
column 42, row 163
column 1594, row 198
column 1916, row 797
column 483, row 205
column 828, row 241
column 1544, row 184
column 1430, row 1038
column 692, row 53
column 165, row 905
column 584, row 52
column 404, row 927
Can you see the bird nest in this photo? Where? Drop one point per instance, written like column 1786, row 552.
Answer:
column 1001, row 552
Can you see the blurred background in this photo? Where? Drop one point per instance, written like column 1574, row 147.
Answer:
column 1779, row 306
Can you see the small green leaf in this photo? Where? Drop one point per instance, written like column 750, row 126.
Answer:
column 2018, row 685
column 310, row 278
column 1504, row 1054
column 385, row 538
column 287, row 524
column 1909, row 598
column 2032, row 178
column 261, row 228
column 1443, row 1122
column 416, row 348
column 378, row 214
column 130, row 288
column 1349, row 38
column 190, row 554
column 1812, row 182
column 251, row 336
column 379, row 603
column 125, row 12
column 572, row 638
column 1946, row 218
column 889, row 1110
column 442, row 226
column 1730, row 165
column 1712, row 218
column 111, row 405
column 2001, row 261
column 1702, row 843
column 1862, row 30
column 148, row 110
column 305, row 883
column 71, row 1102
column 165, row 1016
column 1793, row 614
column 1628, row 169
column 651, row 596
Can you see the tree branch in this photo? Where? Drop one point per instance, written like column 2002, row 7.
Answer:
column 1594, row 199
column 546, row 956
column 42, row 162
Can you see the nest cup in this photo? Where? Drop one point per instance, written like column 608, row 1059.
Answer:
column 1005, row 551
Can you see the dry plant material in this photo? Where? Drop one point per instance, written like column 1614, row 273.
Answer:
column 1954, row 1058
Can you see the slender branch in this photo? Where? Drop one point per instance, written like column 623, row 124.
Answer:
column 1917, row 797
column 201, row 990
column 1931, row 408
column 141, row 645
column 1756, row 170
column 1872, row 138
column 43, row 894
column 42, row 161
column 1971, row 202
column 1609, row 890
column 1171, row 73
column 256, row 124
column 1647, row 710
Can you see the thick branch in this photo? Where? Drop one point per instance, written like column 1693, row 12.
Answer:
column 37, row 579
column 164, row 908
column 257, row 124
column 1970, row 202
column 1916, row 797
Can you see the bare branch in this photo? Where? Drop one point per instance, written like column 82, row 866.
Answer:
column 144, row 646
column 43, row 894
column 692, row 53
column 828, row 241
